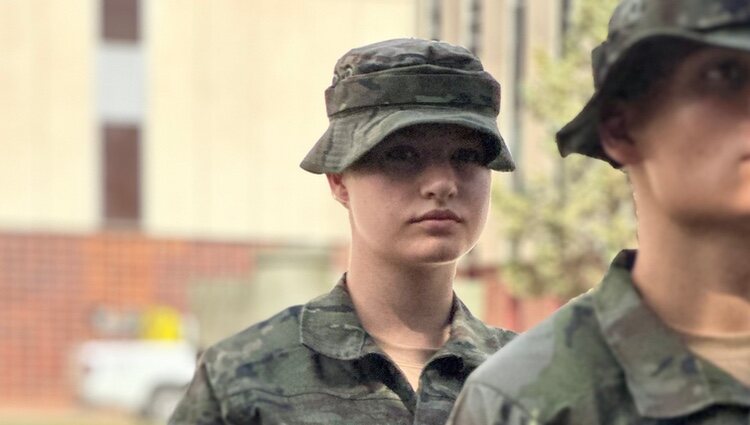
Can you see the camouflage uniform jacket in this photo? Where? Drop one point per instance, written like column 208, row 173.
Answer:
column 604, row 358
column 314, row 364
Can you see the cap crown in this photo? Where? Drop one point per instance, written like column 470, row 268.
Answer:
column 634, row 20
column 405, row 52
column 384, row 87
column 410, row 72
column 717, row 23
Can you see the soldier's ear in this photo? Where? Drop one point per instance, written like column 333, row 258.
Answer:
column 615, row 134
column 338, row 188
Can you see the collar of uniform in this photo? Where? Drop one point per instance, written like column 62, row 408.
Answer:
column 664, row 378
column 470, row 340
column 330, row 326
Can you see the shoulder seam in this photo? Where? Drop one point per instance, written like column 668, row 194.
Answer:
column 511, row 400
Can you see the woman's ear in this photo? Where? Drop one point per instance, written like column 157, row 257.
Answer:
column 615, row 134
column 338, row 188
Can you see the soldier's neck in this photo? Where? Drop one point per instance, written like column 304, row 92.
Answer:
column 697, row 280
column 407, row 305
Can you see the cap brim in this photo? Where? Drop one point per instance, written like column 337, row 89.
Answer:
column 581, row 135
column 349, row 137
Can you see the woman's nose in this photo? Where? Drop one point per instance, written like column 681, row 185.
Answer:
column 439, row 181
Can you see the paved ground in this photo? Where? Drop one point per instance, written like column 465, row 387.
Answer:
column 65, row 417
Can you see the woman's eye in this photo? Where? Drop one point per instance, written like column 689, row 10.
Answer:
column 731, row 74
column 472, row 156
column 402, row 154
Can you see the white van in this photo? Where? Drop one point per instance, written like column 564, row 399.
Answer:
column 143, row 377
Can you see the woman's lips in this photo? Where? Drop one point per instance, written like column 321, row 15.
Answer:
column 438, row 215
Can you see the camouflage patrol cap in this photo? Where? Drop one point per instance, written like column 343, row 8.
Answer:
column 718, row 23
column 381, row 88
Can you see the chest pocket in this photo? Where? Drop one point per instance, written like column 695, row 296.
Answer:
column 317, row 406
column 314, row 390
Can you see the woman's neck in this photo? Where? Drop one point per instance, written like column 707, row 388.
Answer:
column 402, row 304
column 697, row 280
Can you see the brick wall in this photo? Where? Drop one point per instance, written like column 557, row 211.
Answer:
column 505, row 310
column 51, row 285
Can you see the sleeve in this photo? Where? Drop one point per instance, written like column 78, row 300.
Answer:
column 200, row 405
column 480, row 404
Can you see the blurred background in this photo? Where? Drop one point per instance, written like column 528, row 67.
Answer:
column 151, row 201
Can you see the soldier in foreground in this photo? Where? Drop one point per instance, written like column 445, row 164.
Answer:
column 411, row 142
column 665, row 337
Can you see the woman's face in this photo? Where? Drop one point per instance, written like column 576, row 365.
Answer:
column 421, row 196
column 693, row 140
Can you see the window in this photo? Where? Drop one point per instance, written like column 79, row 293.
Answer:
column 122, row 200
column 519, row 71
column 474, row 27
column 120, row 20
column 436, row 19
column 565, row 11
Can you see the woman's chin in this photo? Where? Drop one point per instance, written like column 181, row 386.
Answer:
column 437, row 254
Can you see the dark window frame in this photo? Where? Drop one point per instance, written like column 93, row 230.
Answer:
column 120, row 20
column 121, row 175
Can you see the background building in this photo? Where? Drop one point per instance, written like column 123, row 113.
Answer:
column 150, row 156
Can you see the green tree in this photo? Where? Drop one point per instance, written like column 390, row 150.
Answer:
column 567, row 222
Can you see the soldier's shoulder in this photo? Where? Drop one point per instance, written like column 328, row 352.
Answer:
column 277, row 334
column 501, row 337
column 554, row 360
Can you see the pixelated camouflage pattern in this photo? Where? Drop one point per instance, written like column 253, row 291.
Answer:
column 718, row 23
column 315, row 364
column 604, row 358
column 381, row 88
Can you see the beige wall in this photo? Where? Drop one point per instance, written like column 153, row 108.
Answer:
column 236, row 100
column 544, row 24
column 498, row 44
column 48, row 165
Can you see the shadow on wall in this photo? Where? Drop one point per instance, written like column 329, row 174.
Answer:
column 283, row 277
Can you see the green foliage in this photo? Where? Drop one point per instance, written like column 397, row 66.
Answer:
column 565, row 81
column 569, row 220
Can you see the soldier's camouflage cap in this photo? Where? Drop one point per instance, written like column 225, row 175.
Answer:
column 381, row 88
column 718, row 23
